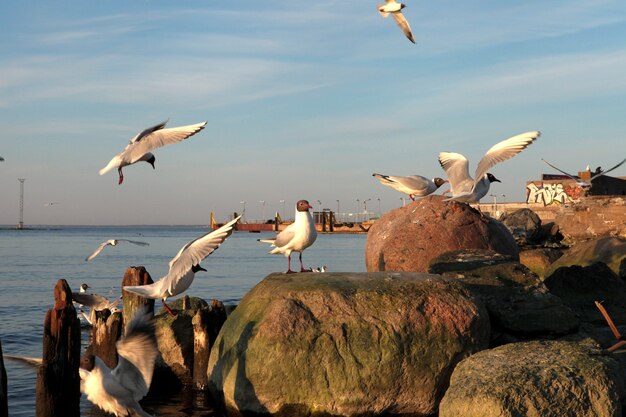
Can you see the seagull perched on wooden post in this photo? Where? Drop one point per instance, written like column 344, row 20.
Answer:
column 139, row 147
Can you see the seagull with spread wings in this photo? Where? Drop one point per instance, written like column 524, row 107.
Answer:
column 393, row 8
column 470, row 190
column 139, row 147
column 184, row 266
column 581, row 183
column 119, row 390
column 113, row 242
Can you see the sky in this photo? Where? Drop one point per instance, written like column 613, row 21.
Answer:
column 303, row 100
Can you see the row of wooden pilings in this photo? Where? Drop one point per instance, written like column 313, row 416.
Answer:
column 58, row 381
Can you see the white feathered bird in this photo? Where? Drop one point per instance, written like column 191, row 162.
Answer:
column 296, row 237
column 184, row 266
column 470, row 190
column 395, row 9
column 139, row 147
column 413, row 185
column 113, row 242
column 585, row 184
column 119, row 390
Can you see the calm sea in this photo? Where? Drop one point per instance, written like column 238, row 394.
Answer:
column 31, row 262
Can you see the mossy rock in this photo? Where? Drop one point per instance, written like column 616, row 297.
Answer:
column 345, row 344
column 535, row 379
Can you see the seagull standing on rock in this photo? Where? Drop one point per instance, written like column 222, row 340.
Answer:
column 296, row 237
column 470, row 190
column 413, row 185
column 119, row 390
column 395, row 9
column 139, row 147
column 184, row 265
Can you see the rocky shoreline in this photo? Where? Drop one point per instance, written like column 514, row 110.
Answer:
column 459, row 315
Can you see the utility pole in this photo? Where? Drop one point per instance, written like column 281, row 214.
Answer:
column 21, row 223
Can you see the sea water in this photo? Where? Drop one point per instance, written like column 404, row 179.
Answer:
column 32, row 261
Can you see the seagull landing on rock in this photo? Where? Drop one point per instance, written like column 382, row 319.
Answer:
column 119, row 390
column 184, row 266
column 413, row 185
column 586, row 184
column 470, row 190
column 113, row 242
column 139, row 147
column 296, row 237
column 395, row 9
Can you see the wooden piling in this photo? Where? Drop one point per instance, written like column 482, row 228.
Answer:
column 58, row 383
column 206, row 326
column 106, row 331
column 4, row 403
column 135, row 275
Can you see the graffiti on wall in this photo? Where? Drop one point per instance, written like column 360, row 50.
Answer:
column 552, row 193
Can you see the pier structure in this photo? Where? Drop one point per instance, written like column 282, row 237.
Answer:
column 20, row 225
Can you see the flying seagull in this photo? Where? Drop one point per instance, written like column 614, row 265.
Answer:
column 113, row 242
column 413, row 185
column 119, row 390
column 580, row 183
column 470, row 190
column 296, row 237
column 184, row 266
column 395, row 9
column 139, row 147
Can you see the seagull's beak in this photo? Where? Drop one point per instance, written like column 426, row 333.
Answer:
column 152, row 163
column 309, row 207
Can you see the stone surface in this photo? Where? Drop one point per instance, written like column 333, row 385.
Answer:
column 539, row 260
column 610, row 250
column 408, row 238
column 345, row 344
column 593, row 217
column 524, row 225
column 535, row 379
column 518, row 302
column 580, row 286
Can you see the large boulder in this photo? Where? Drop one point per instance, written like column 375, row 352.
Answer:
column 519, row 304
column 610, row 250
column 345, row 344
column 408, row 238
column 540, row 378
column 580, row 286
column 527, row 229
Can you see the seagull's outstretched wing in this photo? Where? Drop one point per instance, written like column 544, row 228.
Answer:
column 195, row 251
column 404, row 25
column 97, row 251
column 456, row 167
column 608, row 170
column 561, row 171
column 158, row 138
column 137, row 353
column 134, row 242
column 504, row 150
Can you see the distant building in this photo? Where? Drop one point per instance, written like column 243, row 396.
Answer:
column 560, row 189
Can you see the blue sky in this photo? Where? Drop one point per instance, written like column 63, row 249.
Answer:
column 302, row 100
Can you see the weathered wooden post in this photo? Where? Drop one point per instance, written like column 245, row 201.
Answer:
column 206, row 326
column 4, row 403
column 135, row 275
column 105, row 332
column 58, row 383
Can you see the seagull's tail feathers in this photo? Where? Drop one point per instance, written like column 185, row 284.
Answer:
column 271, row 240
column 145, row 291
column 113, row 163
